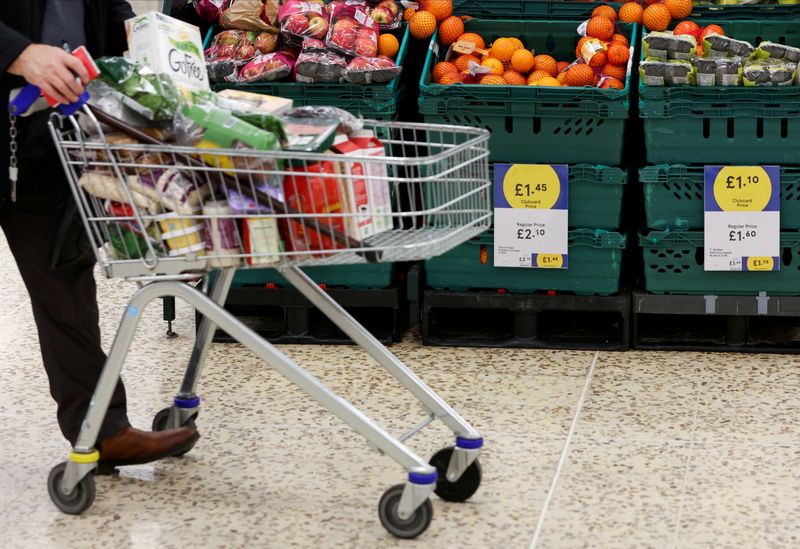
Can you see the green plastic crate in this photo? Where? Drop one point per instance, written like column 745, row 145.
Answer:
column 673, row 197
column 362, row 276
column 748, row 125
column 571, row 9
column 533, row 124
column 673, row 264
column 377, row 101
column 595, row 259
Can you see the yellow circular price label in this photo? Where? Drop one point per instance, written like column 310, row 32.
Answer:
column 550, row 261
column 534, row 186
column 742, row 189
column 760, row 264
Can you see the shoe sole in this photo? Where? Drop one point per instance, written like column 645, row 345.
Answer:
column 108, row 467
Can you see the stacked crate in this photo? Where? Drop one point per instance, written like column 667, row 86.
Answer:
column 581, row 127
column 685, row 129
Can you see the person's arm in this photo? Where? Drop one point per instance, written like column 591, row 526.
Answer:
column 12, row 43
column 119, row 11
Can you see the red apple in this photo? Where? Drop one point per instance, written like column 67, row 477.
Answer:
column 345, row 24
column 248, row 51
column 384, row 62
column 391, row 5
column 313, row 44
column 688, row 27
column 367, row 48
column 227, row 52
column 359, row 63
column 297, row 23
column 711, row 29
column 382, row 15
column 317, row 27
column 344, row 39
column 229, row 38
column 266, row 42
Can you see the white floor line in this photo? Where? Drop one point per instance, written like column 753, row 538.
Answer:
column 564, row 453
column 685, row 482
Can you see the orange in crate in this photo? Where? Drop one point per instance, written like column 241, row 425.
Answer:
column 656, row 17
column 631, row 13
column 443, row 68
column 523, row 61
column 451, row 78
column 580, row 75
column 408, row 14
column 517, row 42
column 621, row 40
column 388, row 45
column 462, row 63
column 546, row 63
column 679, row 9
column 493, row 80
column 548, row 81
column 514, row 78
column 441, row 9
column 497, row 67
column 422, row 25
column 503, row 49
column 535, row 76
column 450, row 29
column 579, row 47
column 617, row 72
column 562, row 78
column 605, row 11
column 612, row 82
column 600, row 27
column 475, row 38
column 618, row 55
column 562, row 66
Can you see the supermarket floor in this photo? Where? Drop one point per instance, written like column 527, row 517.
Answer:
column 668, row 450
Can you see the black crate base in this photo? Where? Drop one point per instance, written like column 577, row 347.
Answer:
column 765, row 324
column 490, row 319
column 283, row 315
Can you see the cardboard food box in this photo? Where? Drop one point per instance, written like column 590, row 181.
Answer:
column 169, row 46
column 366, row 187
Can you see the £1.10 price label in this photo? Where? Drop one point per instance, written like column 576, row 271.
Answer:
column 531, row 215
column 742, row 218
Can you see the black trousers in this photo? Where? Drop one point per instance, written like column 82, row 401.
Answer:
column 62, row 292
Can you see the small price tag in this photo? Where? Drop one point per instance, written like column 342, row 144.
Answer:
column 531, row 216
column 742, row 218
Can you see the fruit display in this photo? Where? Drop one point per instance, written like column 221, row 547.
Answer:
column 371, row 70
column 303, row 19
column 352, row 31
column 232, row 49
column 250, row 15
column 267, row 68
column 318, row 64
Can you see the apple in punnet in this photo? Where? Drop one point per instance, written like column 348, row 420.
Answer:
column 359, row 63
column 297, row 23
column 382, row 15
column 228, row 38
column 384, row 62
column 227, row 52
column 266, row 42
column 317, row 27
column 345, row 23
column 391, row 5
column 366, row 48
column 247, row 51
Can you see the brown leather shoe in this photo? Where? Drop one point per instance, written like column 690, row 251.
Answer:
column 133, row 447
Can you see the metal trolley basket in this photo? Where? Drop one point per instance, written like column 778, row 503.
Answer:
column 436, row 180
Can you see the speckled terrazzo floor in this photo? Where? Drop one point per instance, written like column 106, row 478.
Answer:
column 669, row 450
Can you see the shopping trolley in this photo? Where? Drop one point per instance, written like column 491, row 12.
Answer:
column 239, row 208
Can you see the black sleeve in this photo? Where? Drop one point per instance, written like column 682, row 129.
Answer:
column 119, row 11
column 11, row 45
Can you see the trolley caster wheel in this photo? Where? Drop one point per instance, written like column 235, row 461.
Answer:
column 460, row 490
column 408, row 528
column 160, row 424
column 77, row 501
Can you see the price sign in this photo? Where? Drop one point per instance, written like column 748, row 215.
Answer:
column 742, row 218
column 531, row 215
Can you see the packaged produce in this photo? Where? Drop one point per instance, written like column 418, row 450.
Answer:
column 182, row 235
column 666, row 45
column 126, row 237
column 310, row 134
column 169, row 47
column 352, row 31
column 371, row 70
column 716, row 45
column 251, row 15
column 661, row 72
column 153, row 96
column 771, row 50
column 725, row 71
column 300, row 20
column 318, row 64
column 229, row 51
column 267, row 68
column 592, row 52
column 769, row 73
column 348, row 122
column 365, row 186
column 107, row 186
column 387, row 14
column 170, row 188
column 221, row 235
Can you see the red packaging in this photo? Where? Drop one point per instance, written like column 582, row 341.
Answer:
column 267, row 68
column 303, row 19
column 371, row 70
column 307, row 194
column 352, row 31
column 387, row 14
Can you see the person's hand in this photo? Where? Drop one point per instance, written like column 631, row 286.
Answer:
column 52, row 70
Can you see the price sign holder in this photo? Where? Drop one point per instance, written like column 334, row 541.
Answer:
column 531, row 216
column 742, row 218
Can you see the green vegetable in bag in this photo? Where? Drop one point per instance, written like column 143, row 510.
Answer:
column 151, row 95
column 718, row 72
column 769, row 73
column 665, row 45
column 771, row 50
column 660, row 72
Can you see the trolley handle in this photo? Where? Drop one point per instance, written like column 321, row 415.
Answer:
column 371, row 256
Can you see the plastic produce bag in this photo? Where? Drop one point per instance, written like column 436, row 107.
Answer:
column 251, row 15
column 371, row 70
column 769, row 73
column 352, row 31
column 665, row 45
column 303, row 19
column 718, row 72
column 107, row 186
column 209, row 10
column 317, row 64
column 715, row 45
column 771, row 50
column 660, row 72
column 387, row 14
column 348, row 122
column 151, row 95
column 267, row 68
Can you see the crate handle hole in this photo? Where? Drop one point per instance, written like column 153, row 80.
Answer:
column 760, row 128
column 730, row 128
column 706, row 128
column 509, row 124
column 784, row 128
column 699, row 256
column 787, row 257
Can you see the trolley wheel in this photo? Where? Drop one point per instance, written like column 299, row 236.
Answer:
column 464, row 487
column 408, row 528
column 160, row 424
column 77, row 501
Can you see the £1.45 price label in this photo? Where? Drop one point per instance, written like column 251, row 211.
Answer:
column 531, row 215
column 742, row 218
